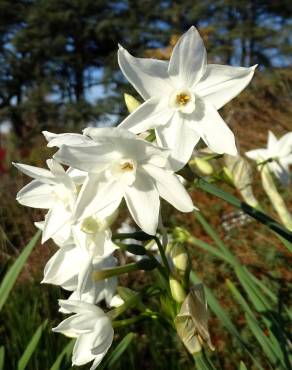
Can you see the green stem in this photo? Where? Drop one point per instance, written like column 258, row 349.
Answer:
column 162, row 253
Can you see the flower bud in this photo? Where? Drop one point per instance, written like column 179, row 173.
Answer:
column 180, row 258
column 131, row 103
column 180, row 235
column 203, row 166
column 177, row 291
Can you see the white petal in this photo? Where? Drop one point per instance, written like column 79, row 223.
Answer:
column 84, row 276
column 170, row 188
column 143, row 202
column 179, row 136
column 98, row 134
column 62, row 269
column 215, row 132
column 272, row 140
column 36, row 194
column 148, row 76
column 35, row 172
column 285, row 145
column 104, row 335
column 91, row 158
column 221, row 83
column 55, row 219
column 258, row 154
column 188, row 60
column 154, row 112
column 81, row 307
column 82, row 349
column 66, row 139
column 96, row 194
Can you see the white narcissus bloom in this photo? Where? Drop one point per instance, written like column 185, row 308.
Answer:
column 280, row 153
column 72, row 268
column 183, row 96
column 92, row 328
column 119, row 166
column 52, row 189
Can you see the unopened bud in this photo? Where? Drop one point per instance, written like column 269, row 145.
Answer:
column 180, row 235
column 203, row 166
column 131, row 103
column 180, row 258
column 177, row 291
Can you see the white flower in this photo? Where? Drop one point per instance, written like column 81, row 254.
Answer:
column 72, row 268
column 121, row 165
column 183, row 96
column 54, row 190
column 280, row 153
column 92, row 328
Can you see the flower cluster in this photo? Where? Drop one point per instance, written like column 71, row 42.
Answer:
column 104, row 166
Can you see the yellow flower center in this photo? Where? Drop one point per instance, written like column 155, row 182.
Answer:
column 127, row 166
column 182, row 99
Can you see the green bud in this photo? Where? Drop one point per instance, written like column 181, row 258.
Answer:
column 131, row 103
column 177, row 291
column 203, row 166
column 180, row 235
column 180, row 258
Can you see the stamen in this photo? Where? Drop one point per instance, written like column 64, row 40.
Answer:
column 182, row 99
column 127, row 166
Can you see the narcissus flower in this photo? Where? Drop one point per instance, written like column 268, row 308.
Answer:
column 92, row 328
column 72, row 268
column 278, row 155
column 121, row 165
column 52, row 189
column 183, row 96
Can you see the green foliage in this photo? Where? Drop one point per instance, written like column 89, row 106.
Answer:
column 14, row 271
column 31, row 347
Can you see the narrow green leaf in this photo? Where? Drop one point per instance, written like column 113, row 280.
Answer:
column 271, row 341
column 2, row 357
column 251, row 211
column 261, row 338
column 31, row 347
column 118, row 351
column 209, row 248
column 242, row 366
column 14, row 271
column 66, row 353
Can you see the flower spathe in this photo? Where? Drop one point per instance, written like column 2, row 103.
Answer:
column 279, row 152
column 120, row 165
column 92, row 328
column 183, row 96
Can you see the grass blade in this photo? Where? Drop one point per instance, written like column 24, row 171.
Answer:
column 2, row 357
column 66, row 353
column 31, row 347
column 14, row 271
column 251, row 211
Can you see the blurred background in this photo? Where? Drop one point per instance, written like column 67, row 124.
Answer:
column 59, row 72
